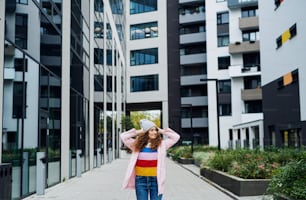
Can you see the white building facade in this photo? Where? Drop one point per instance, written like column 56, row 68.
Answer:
column 233, row 58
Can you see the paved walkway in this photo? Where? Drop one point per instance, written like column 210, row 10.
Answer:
column 104, row 183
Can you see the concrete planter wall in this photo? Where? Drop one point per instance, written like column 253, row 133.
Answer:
column 186, row 160
column 238, row 186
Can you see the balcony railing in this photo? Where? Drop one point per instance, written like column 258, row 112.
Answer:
column 241, row 3
column 244, row 47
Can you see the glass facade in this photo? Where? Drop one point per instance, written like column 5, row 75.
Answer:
column 141, row 6
column 144, row 56
column 146, row 30
column 144, row 83
column 33, row 83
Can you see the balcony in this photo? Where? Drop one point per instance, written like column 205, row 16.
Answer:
column 193, row 38
column 192, row 79
column 232, row 4
column 195, row 101
column 248, row 23
column 193, row 58
column 244, row 47
column 241, row 71
column 251, row 94
column 196, row 122
column 192, row 17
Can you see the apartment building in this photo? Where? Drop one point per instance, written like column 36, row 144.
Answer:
column 193, row 69
column 62, row 81
column 283, row 72
column 233, row 58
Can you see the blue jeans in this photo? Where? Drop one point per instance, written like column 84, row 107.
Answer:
column 145, row 186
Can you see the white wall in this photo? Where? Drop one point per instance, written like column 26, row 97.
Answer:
column 276, row 63
column 2, row 25
column 161, row 42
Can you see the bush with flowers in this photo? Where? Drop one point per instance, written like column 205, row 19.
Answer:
column 253, row 164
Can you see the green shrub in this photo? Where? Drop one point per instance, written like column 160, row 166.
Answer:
column 202, row 157
column 290, row 180
column 222, row 161
column 246, row 163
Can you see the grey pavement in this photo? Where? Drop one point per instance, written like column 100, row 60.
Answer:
column 183, row 183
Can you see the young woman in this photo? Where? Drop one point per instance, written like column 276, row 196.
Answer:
column 146, row 172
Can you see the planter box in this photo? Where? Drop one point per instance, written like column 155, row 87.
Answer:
column 186, row 160
column 238, row 186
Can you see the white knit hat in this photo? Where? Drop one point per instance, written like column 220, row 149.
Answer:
column 146, row 124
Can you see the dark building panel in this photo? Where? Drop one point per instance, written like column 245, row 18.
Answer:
column 173, row 65
column 281, row 109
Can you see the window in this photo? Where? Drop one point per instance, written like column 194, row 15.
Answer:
column 292, row 31
column 279, row 42
column 224, row 86
column 287, row 35
column 144, row 57
column 21, row 32
column 251, row 60
column 222, row 18
column 99, row 57
column 146, row 30
column 225, row 109
column 253, row 106
column 252, row 82
column 98, row 31
column 249, row 12
column 141, row 6
column 98, row 83
column 224, row 62
column 223, row 40
column 144, row 83
column 250, row 35
column 98, row 6
column 19, row 65
column 18, row 99
column 22, row 1
column 292, row 138
column 277, row 3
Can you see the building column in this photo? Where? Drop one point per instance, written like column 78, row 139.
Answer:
column 2, row 34
column 118, row 103
column 165, row 114
column 235, row 137
column 113, row 96
column 243, row 137
column 91, row 86
column 65, row 103
column 252, row 137
column 261, row 135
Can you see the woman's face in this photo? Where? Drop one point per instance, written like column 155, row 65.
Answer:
column 153, row 133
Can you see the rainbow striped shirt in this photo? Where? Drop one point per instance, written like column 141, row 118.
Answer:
column 146, row 164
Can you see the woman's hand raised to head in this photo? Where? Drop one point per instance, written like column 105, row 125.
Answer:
column 140, row 131
column 161, row 131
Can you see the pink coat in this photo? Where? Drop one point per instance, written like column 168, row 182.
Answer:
column 127, row 138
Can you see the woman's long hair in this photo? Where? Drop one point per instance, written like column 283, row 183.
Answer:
column 143, row 139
